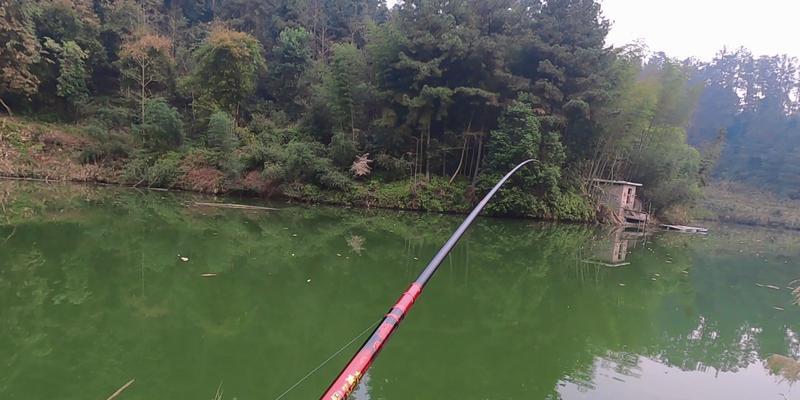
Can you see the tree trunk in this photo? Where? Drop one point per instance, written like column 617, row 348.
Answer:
column 461, row 161
column 444, row 162
column 142, row 95
column 428, row 154
column 8, row 109
column 352, row 120
column 478, row 159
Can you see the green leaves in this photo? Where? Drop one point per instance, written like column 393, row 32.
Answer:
column 72, row 75
column 162, row 128
column 228, row 65
column 19, row 50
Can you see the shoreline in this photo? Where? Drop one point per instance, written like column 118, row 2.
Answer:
column 243, row 194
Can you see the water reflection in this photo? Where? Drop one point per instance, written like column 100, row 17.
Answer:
column 91, row 287
column 612, row 248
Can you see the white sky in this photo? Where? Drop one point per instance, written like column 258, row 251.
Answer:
column 700, row 28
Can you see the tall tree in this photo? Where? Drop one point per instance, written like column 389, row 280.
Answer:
column 227, row 66
column 344, row 88
column 72, row 73
column 291, row 59
column 19, row 49
column 566, row 59
column 145, row 62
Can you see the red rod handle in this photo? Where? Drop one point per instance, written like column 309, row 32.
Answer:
column 351, row 375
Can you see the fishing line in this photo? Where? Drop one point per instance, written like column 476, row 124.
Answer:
column 313, row 371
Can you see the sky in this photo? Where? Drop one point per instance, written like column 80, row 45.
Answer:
column 700, row 28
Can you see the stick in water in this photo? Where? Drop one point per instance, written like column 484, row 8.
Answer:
column 120, row 390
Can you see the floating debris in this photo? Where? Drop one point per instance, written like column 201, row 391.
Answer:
column 292, row 254
column 685, row 229
column 308, row 280
column 338, row 255
column 209, row 275
column 356, row 243
column 235, row 206
column 294, row 235
column 622, row 284
column 773, row 287
column 120, row 390
column 184, row 259
column 779, row 308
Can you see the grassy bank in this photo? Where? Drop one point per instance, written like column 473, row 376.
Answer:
column 58, row 152
column 740, row 204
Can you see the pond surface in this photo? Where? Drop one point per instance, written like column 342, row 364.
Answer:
column 93, row 293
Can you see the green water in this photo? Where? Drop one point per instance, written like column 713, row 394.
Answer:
column 93, row 293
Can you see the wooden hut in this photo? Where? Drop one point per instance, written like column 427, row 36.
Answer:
column 620, row 198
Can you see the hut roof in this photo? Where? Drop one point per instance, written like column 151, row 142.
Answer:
column 610, row 182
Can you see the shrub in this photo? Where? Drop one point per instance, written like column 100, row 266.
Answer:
column 300, row 161
column 162, row 128
column 220, row 134
column 343, row 149
column 165, row 171
column 394, row 168
column 105, row 146
column 136, row 169
column 113, row 116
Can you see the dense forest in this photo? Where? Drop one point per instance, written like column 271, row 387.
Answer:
column 421, row 105
column 751, row 104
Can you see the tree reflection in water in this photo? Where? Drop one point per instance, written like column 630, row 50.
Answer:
column 91, row 281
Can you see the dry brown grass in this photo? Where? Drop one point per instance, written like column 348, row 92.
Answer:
column 788, row 368
column 737, row 203
column 205, row 180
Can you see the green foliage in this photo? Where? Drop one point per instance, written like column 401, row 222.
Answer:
column 343, row 149
column 221, row 139
column 71, row 81
column 112, row 116
column 341, row 96
column 156, row 170
column 434, row 90
column 105, row 146
column 517, row 139
column 300, row 161
column 162, row 128
column 136, row 168
column 291, row 58
column 392, row 168
column 145, row 64
column 165, row 171
column 753, row 98
column 220, row 134
column 644, row 134
column 20, row 50
column 227, row 66
column 668, row 168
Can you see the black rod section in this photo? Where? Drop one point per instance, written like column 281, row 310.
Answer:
column 426, row 274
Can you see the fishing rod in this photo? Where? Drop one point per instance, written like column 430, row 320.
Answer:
column 351, row 375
